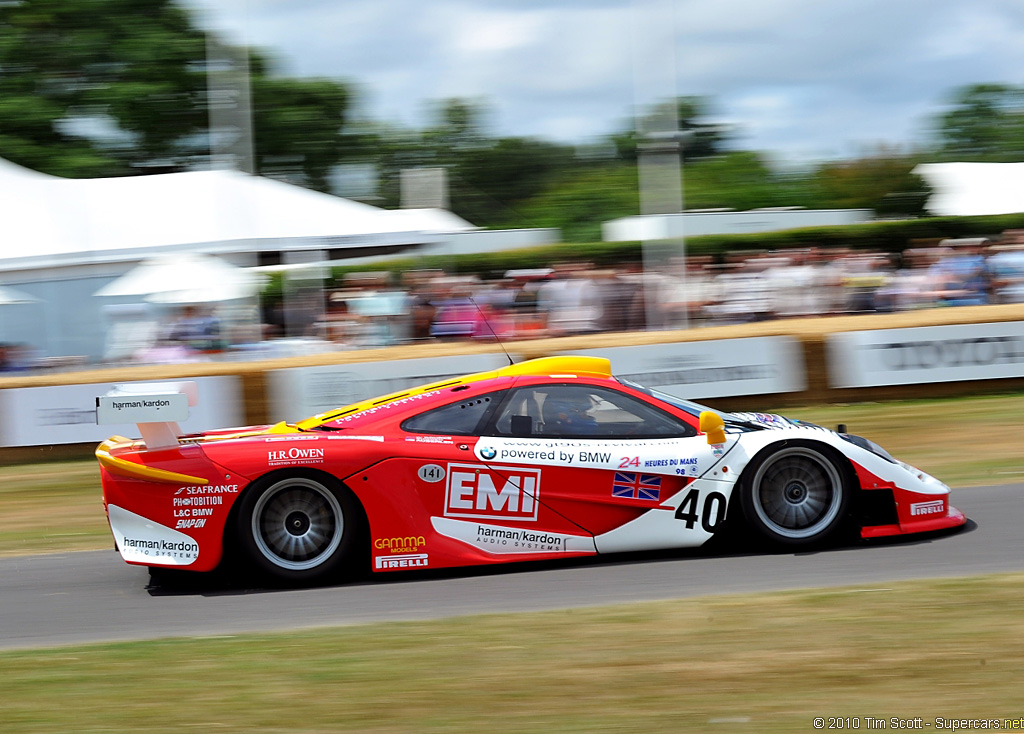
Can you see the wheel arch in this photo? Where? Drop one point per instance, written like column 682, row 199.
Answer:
column 841, row 460
column 232, row 550
column 843, row 464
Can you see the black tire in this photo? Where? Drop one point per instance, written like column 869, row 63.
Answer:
column 298, row 528
column 796, row 495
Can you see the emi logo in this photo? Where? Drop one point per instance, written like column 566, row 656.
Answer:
column 502, row 492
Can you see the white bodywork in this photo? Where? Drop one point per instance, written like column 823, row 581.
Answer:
column 716, row 468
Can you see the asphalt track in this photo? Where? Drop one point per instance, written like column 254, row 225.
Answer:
column 94, row 596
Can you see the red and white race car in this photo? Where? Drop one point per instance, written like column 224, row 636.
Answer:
column 550, row 458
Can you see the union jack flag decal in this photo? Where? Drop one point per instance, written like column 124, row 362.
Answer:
column 636, row 486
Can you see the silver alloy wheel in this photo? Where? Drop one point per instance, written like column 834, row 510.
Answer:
column 297, row 523
column 797, row 493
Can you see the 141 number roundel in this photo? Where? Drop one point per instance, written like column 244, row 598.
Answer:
column 431, row 473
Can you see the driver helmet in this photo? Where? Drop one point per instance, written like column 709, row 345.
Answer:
column 570, row 410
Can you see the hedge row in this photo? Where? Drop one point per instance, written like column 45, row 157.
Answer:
column 885, row 236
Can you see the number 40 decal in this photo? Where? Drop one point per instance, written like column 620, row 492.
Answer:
column 711, row 515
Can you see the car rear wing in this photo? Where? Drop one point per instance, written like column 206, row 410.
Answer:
column 155, row 407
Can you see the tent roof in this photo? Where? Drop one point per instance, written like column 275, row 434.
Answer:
column 433, row 220
column 48, row 219
column 973, row 189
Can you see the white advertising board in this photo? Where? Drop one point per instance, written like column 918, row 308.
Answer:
column 299, row 392
column 926, row 354
column 41, row 416
column 714, row 368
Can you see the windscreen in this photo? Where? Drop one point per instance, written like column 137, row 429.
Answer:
column 694, row 409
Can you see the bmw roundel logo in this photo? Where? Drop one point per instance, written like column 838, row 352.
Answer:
column 488, row 452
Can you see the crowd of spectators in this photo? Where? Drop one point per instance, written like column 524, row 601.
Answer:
column 578, row 298
column 378, row 309
column 14, row 358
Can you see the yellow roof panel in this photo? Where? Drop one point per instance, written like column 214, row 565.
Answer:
column 545, row 366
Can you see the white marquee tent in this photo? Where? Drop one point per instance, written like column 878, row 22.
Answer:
column 974, row 189
column 11, row 297
column 62, row 239
column 47, row 220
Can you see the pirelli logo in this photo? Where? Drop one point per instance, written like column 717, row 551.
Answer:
column 934, row 507
column 409, row 560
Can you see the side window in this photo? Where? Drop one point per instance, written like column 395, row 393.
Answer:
column 456, row 419
column 584, row 411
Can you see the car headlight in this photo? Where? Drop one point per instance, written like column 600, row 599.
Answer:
column 873, row 448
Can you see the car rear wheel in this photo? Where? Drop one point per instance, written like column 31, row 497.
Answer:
column 796, row 495
column 298, row 528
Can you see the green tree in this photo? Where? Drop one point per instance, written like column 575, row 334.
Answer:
column 490, row 183
column 113, row 87
column 699, row 138
column 985, row 124
column 578, row 203
column 738, row 180
column 299, row 128
column 884, row 183
column 489, row 178
column 132, row 63
column 458, row 125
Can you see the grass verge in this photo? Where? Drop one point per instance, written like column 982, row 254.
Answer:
column 52, row 508
column 765, row 663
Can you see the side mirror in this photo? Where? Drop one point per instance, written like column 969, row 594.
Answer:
column 712, row 425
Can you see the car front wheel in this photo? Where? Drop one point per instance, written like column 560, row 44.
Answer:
column 796, row 495
column 297, row 528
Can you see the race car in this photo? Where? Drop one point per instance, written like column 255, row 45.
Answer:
column 550, row 458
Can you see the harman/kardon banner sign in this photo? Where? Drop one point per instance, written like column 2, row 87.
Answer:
column 926, row 354
column 712, row 369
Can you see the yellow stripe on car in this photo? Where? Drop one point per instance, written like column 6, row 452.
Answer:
column 124, row 467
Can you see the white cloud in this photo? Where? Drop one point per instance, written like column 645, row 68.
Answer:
column 492, row 32
column 799, row 77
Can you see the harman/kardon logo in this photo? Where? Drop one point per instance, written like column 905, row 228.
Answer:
column 187, row 549
column 127, row 404
column 927, row 508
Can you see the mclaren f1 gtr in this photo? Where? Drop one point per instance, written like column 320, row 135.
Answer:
column 550, row 458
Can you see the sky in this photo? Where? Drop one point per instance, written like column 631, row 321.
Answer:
column 802, row 80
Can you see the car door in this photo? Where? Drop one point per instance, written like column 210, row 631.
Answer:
column 479, row 510
column 609, row 458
